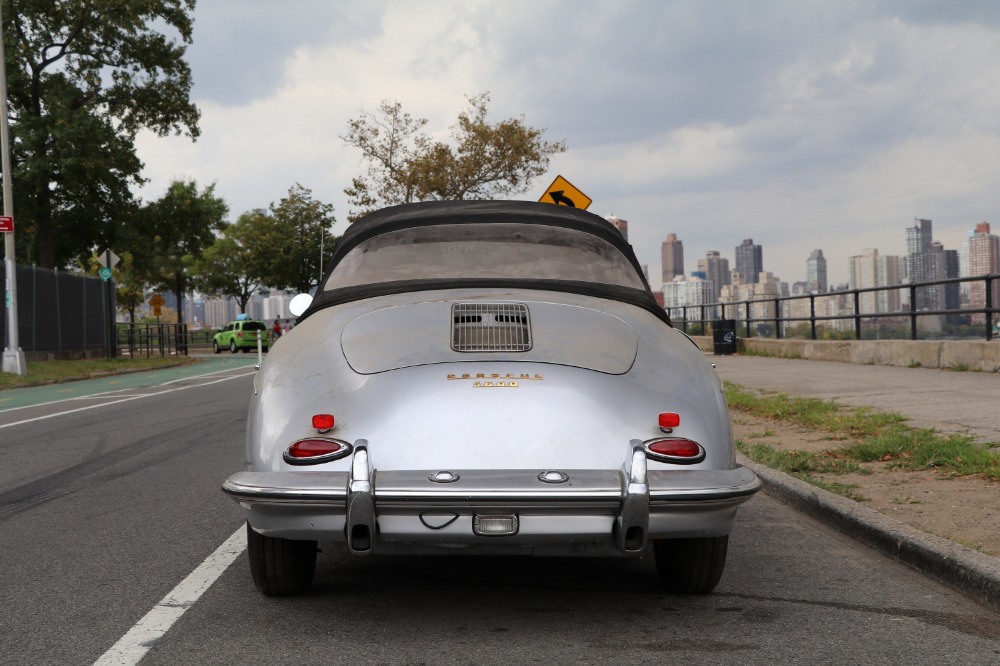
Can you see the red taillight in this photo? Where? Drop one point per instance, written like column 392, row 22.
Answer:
column 315, row 450
column 669, row 419
column 323, row 422
column 676, row 450
column 239, row 334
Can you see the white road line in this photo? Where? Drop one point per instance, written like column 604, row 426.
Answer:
column 206, row 374
column 134, row 645
column 115, row 402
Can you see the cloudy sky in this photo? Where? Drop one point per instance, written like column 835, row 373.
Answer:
column 801, row 124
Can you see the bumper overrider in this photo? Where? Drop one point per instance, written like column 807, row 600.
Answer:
column 546, row 511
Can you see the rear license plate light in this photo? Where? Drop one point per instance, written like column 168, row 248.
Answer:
column 494, row 525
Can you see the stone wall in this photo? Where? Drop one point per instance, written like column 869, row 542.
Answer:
column 955, row 354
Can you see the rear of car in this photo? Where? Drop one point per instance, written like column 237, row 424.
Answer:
column 488, row 377
column 241, row 335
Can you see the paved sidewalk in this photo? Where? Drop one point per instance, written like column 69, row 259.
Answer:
column 944, row 400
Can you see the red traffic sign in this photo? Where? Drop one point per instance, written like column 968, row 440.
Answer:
column 6, row 223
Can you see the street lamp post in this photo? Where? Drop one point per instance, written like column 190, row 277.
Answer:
column 13, row 357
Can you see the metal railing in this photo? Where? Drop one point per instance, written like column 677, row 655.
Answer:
column 148, row 340
column 772, row 317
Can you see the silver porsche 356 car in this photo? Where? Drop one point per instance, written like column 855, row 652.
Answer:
column 488, row 377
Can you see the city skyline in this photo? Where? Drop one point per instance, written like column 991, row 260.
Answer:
column 833, row 264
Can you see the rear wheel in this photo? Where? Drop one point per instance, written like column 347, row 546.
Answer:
column 280, row 567
column 232, row 346
column 690, row 566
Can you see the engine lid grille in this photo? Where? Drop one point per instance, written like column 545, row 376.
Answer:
column 500, row 327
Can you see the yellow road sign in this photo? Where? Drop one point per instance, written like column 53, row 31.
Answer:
column 157, row 302
column 562, row 193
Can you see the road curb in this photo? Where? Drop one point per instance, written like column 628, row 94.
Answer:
column 967, row 571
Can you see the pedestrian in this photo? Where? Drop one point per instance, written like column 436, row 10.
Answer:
column 276, row 329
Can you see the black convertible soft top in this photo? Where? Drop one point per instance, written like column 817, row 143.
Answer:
column 424, row 214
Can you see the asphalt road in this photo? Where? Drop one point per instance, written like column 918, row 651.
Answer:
column 104, row 510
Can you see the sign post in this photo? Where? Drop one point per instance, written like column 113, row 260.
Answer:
column 13, row 356
column 109, row 260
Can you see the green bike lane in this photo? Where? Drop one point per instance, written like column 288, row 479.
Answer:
column 39, row 395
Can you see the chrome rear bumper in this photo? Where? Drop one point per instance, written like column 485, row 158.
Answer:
column 591, row 510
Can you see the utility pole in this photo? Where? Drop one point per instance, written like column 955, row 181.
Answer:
column 13, row 357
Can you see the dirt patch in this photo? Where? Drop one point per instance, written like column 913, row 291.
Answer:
column 963, row 509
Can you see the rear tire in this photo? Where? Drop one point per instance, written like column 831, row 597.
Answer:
column 280, row 567
column 232, row 347
column 690, row 566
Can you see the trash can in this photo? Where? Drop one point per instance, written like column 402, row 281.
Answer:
column 724, row 336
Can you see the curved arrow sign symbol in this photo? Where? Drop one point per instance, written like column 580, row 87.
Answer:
column 559, row 198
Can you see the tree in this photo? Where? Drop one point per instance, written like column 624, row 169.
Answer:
column 131, row 285
column 285, row 243
column 83, row 79
column 488, row 160
column 175, row 231
column 230, row 266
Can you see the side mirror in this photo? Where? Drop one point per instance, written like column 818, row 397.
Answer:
column 299, row 304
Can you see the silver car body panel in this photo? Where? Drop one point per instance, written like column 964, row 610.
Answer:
column 396, row 337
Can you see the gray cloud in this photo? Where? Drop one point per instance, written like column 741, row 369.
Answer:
column 240, row 50
column 806, row 124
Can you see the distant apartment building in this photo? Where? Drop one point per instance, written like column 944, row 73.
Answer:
column 684, row 292
column 219, row 311
column 672, row 258
column 816, row 271
column 276, row 306
column 765, row 290
column 871, row 269
column 749, row 261
column 619, row 224
column 716, row 270
column 983, row 258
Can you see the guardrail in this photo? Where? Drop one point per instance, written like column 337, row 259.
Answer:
column 772, row 317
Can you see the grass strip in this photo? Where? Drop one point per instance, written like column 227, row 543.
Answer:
column 41, row 373
column 870, row 436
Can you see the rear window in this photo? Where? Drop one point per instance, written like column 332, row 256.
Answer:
column 466, row 251
column 253, row 326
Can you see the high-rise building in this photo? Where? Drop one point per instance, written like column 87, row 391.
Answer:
column 983, row 259
column 672, row 254
column 619, row 224
column 716, row 270
column 219, row 311
column 926, row 262
column 918, row 237
column 816, row 271
column 749, row 261
column 871, row 269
